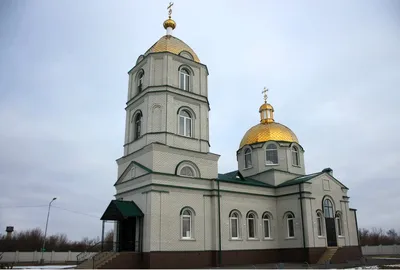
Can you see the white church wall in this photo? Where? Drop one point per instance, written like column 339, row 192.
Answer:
column 244, row 204
column 247, row 189
column 353, row 234
column 144, row 157
column 325, row 185
column 166, row 221
column 157, row 76
column 156, row 112
column 128, row 186
column 132, row 88
column 297, row 169
column 207, row 164
column 259, row 164
column 284, row 205
column 133, row 173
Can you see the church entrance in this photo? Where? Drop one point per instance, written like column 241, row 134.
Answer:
column 126, row 234
column 129, row 231
column 330, row 224
column 330, row 232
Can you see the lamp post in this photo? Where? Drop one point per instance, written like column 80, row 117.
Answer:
column 45, row 231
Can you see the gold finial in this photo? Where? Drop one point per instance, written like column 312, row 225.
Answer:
column 266, row 110
column 265, row 94
column 169, row 23
column 170, row 9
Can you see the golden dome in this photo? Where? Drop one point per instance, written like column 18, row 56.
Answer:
column 173, row 45
column 268, row 132
column 169, row 23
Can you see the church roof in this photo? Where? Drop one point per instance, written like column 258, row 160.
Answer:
column 119, row 210
column 235, row 177
column 300, row 179
column 169, row 43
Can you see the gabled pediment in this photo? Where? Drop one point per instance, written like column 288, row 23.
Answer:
column 134, row 170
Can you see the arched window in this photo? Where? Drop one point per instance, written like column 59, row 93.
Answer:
column 267, row 225
column 187, row 171
column 251, row 225
column 339, row 226
column 138, row 125
column 140, row 81
column 247, row 158
column 186, row 224
column 271, row 154
column 295, row 156
column 319, row 224
column 185, row 123
column 290, row 225
column 184, row 79
column 328, row 208
column 234, row 221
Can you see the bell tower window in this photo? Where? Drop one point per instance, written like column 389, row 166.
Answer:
column 185, row 123
column 137, row 125
column 140, row 81
column 184, row 79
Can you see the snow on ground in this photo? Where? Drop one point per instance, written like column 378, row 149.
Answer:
column 46, row 267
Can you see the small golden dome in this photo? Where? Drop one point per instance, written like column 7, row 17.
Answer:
column 173, row 45
column 266, row 106
column 169, row 23
column 268, row 132
column 268, row 129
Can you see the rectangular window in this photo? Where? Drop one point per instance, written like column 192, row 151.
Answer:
column 251, row 228
column 182, row 82
column 271, row 157
column 181, row 126
column 266, row 229
column 290, row 228
column 319, row 226
column 186, row 227
column 234, row 228
column 187, row 82
column 339, row 226
column 188, row 127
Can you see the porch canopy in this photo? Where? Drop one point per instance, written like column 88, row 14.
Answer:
column 120, row 210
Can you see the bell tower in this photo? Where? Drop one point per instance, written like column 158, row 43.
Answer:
column 167, row 109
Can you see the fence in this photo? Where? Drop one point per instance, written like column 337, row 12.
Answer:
column 35, row 256
column 381, row 250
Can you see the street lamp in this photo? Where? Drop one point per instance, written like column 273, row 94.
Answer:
column 45, row 231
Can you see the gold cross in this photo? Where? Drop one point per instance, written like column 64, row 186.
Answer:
column 169, row 8
column 265, row 94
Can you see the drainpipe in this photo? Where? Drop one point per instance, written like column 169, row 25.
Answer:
column 219, row 227
column 302, row 220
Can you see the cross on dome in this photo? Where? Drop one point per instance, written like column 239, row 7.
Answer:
column 265, row 94
column 169, row 24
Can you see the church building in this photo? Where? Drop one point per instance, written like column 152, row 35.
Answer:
column 174, row 209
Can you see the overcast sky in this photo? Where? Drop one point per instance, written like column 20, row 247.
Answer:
column 332, row 67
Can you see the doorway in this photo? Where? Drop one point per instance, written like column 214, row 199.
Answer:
column 330, row 223
column 127, row 234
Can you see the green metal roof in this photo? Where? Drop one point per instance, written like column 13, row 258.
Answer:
column 119, row 210
column 235, row 177
column 299, row 180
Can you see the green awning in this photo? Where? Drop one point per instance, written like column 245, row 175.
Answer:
column 119, row 210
